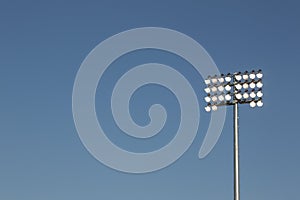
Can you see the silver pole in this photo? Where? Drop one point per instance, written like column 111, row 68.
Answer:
column 236, row 155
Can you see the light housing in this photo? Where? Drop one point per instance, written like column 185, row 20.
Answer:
column 234, row 88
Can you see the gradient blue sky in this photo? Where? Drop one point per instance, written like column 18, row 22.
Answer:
column 42, row 45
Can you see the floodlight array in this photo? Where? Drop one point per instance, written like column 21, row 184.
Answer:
column 240, row 87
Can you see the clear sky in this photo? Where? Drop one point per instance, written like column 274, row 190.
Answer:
column 42, row 45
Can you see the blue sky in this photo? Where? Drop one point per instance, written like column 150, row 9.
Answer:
column 42, row 46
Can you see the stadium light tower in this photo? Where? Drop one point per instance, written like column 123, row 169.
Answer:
column 234, row 89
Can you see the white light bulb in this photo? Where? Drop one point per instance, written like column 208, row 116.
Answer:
column 252, row 76
column 246, row 95
column 252, row 95
column 207, row 99
column 221, row 98
column 259, row 84
column 214, row 98
column 238, row 86
column 238, row 96
column 259, row 75
column 214, row 108
column 207, row 108
column 238, row 77
column 228, row 78
column 259, row 94
column 227, row 88
column 214, row 80
column 245, row 85
column 221, row 79
column 214, row 89
column 207, row 81
column 245, row 76
column 252, row 104
column 260, row 103
column 221, row 88
column 252, row 85
column 207, row 90
column 228, row 97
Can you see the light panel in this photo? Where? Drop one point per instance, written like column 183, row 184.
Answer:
column 239, row 87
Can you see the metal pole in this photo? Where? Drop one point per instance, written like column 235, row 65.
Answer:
column 236, row 154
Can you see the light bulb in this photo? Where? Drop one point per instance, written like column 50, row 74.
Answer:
column 207, row 90
column 246, row 95
column 245, row 85
column 207, row 81
column 221, row 79
column 228, row 97
column 260, row 103
column 245, row 76
column 259, row 84
column 259, row 94
column 207, row 108
column 238, row 86
column 259, row 75
column 227, row 88
column 221, row 98
column 214, row 98
column 238, row 96
column 252, row 95
column 252, row 104
column 238, row 77
column 214, row 108
column 252, row 76
column 207, row 99
column 214, row 80
column 252, row 85
column 228, row 78
column 221, row 88
column 214, row 89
